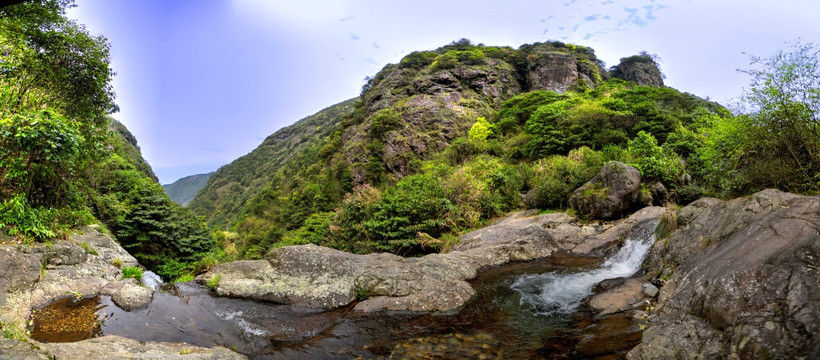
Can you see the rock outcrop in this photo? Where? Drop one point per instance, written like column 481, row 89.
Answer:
column 34, row 276
column 314, row 276
column 641, row 69
column 610, row 194
column 560, row 71
column 743, row 280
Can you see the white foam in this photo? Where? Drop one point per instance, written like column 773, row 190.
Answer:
column 553, row 293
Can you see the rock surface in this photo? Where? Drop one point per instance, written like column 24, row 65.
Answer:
column 119, row 348
column 609, row 194
column 20, row 350
column 743, row 281
column 640, row 69
column 314, row 276
column 619, row 298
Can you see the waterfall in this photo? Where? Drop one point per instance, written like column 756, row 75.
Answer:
column 560, row 293
column 151, row 280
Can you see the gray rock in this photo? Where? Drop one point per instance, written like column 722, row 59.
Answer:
column 743, row 281
column 314, row 276
column 642, row 70
column 129, row 295
column 650, row 290
column 610, row 194
column 618, row 298
column 119, row 348
column 18, row 271
column 65, row 253
column 20, row 350
column 554, row 69
column 660, row 195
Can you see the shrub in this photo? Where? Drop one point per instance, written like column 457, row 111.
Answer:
column 213, row 282
column 555, row 177
column 184, row 278
column 132, row 272
column 653, row 161
column 18, row 218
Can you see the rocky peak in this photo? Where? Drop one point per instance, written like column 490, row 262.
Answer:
column 559, row 67
column 641, row 69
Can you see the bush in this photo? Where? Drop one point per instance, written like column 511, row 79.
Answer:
column 132, row 272
column 654, row 162
column 556, row 177
column 18, row 218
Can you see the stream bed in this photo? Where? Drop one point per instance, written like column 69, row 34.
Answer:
column 520, row 311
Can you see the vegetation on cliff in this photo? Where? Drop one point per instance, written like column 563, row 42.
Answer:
column 63, row 162
column 447, row 139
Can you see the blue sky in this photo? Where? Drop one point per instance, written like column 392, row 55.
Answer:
column 202, row 82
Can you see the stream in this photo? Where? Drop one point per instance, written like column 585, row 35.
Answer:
column 521, row 310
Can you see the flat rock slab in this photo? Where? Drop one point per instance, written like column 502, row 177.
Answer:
column 620, row 298
column 315, row 276
column 119, row 348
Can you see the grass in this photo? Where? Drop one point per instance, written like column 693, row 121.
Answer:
column 88, row 248
column 132, row 272
column 213, row 282
column 184, row 278
column 362, row 293
column 13, row 330
column 117, row 263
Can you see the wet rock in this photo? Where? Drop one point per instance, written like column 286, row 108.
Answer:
column 743, row 281
column 314, row 276
column 610, row 194
column 119, row 348
column 20, row 350
column 660, row 195
column 32, row 286
column 131, row 296
column 650, row 290
column 619, row 298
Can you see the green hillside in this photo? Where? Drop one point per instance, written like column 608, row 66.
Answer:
column 185, row 189
column 64, row 163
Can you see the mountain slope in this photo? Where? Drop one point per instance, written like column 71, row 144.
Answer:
column 230, row 187
column 185, row 189
column 447, row 139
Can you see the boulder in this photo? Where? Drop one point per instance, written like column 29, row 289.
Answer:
column 65, row 253
column 129, row 295
column 650, row 290
column 619, row 298
column 314, row 276
column 743, row 279
column 18, row 271
column 609, row 194
column 119, row 348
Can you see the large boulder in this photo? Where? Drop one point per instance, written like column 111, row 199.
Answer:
column 20, row 350
column 17, row 271
column 743, row 281
column 314, row 276
column 610, row 194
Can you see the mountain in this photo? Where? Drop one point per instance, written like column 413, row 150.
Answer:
column 229, row 188
column 447, row 139
column 183, row 190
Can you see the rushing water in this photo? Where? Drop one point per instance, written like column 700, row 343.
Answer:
column 554, row 293
column 518, row 312
column 151, row 280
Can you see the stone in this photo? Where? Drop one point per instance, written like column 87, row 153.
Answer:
column 119, row 348
column 131, row 296
column 650, row 290
column 610, row 194
column 65, row 253
column 743, row 281
column 660, row 195
column 319, row 277
column 619, row 298
column 18, row 271
column 641, row 70
column 20, row 350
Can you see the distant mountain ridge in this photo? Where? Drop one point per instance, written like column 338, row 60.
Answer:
column 185, row 189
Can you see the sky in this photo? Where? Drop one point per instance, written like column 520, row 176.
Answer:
column 203, row 82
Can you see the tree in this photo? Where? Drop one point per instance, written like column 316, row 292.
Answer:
column 783, row 108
